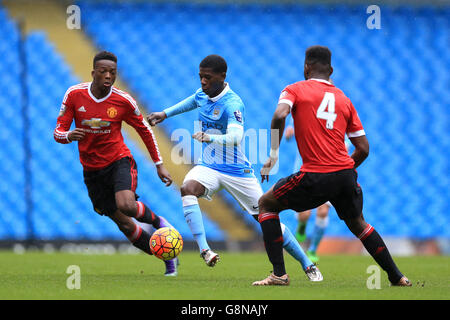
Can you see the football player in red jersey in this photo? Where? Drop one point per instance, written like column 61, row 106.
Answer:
column 109, row 170
column 322, row 116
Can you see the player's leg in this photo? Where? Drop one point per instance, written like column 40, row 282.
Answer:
column 269, row 209
column 293, row 192
column 124, row 181
column 127, row 204
column 135, row 234
column 376, row 247
column 320, row 226
column 302, row 218
column 247, row 192
column 125, row 184
column 190, row 191
column 349, row 205
column 199, row 182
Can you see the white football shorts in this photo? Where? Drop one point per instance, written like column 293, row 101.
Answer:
column 246, row 191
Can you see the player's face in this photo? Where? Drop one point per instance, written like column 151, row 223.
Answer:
column 212, row 82
column 104, row 74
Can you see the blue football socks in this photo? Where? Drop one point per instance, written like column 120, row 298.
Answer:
column 193, row 216
column 291, row 245
column 319, row 230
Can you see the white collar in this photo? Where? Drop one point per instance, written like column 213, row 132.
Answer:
column 321, row 80
column 220, row 95
column 94, row 98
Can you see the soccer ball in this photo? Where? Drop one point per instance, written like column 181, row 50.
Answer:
column 166, row 243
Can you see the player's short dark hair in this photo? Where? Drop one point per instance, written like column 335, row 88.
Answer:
column 318, row 55
column 104, row 55
column 215, row 62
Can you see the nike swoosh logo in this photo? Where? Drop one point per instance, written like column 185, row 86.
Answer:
column 255, row 207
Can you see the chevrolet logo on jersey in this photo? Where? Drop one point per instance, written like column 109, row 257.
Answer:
column 96, row 123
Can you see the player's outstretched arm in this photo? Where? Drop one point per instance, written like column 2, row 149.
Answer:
column 361, row 149
column 187, row 104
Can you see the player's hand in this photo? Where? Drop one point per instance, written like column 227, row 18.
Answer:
column 156, row 117
column 289, row 133
column 164, row 175
column 76, row 134
column 201, row 136
column 267, row 167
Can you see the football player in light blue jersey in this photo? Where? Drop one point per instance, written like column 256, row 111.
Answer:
column 222, row 163
column 219, row 116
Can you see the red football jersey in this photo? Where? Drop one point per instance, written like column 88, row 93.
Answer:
column 101, row 120
column 322, row 116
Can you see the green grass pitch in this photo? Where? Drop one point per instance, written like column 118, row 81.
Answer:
column 43, row 276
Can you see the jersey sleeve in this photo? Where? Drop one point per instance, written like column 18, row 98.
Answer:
column 135, row 119
column 186, row 105
column 236, row 115
column 65, row 118
column 288, row 96
column 354, row 125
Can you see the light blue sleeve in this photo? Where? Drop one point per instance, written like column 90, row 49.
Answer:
column 233, row 137
column 186, row 105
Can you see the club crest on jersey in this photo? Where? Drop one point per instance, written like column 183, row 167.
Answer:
column 95, row 123
column 112, row 112
column 238, row 115
column 216, row 112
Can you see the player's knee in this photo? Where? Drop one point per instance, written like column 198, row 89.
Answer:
column 263, row 204
column 191, row 189
column 127, row 207
column 356, row 225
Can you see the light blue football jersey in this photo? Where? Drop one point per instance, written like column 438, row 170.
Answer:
column 215, row 115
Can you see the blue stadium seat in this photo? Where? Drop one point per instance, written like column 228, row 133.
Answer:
column 397, row 77
column 390, row 86
column 62, row 209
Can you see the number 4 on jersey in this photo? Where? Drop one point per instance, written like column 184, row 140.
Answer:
column 327, row 102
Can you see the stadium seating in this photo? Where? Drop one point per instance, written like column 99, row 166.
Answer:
column 62, row 209
column 397, row 77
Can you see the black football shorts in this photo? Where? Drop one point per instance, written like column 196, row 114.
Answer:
column 103, row 184
column 307, row 190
